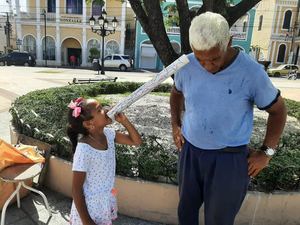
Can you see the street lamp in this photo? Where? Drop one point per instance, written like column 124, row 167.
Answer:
column 44, row 13
column 102, row 29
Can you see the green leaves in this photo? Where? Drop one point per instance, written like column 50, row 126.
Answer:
column 151, row 161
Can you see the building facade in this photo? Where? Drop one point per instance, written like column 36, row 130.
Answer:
column 146, row 56
column 5, row 44
column 276, row 36
column 67, row 30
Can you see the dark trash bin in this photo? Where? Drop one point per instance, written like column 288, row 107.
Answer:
column 96, row 65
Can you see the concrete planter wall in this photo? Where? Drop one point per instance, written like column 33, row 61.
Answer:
column 158, row 202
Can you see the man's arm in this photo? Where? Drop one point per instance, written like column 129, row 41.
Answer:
column 176, row 105
column 276, row 121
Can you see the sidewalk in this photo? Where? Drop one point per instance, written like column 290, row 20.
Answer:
column 33, row 212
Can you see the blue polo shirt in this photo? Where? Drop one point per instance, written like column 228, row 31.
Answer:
column 219, row 107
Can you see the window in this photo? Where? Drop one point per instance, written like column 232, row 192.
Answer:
column 50, row 48
column 29, row 45
column 108, row 57
column 260, row 22
column 96, row 8
column 74, row 6
column 112, row 47
column 287, row 20
column 176, row 47
column 125, row 57
column 281, row 53
column 245, row 26
column 93, row 44
column 117, row 57
column 51, row 6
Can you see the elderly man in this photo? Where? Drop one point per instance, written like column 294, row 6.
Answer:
column 212, row 119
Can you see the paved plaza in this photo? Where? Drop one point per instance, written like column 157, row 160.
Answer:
column 17, row 81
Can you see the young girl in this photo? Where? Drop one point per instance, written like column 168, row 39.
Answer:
column 94, row 161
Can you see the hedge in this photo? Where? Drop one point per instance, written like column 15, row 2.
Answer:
column 42, row 114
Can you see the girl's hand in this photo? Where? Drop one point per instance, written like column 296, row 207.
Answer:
column 121, row 118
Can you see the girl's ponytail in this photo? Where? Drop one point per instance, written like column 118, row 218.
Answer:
column 73, row 136
column 78, row 113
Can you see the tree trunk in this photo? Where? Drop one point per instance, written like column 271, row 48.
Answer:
column 184, row 23
column 150, row 16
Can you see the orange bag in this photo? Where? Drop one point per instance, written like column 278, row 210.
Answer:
column 10, row 155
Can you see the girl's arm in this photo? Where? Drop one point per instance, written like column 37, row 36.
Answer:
column 133, row 137
column 78, row 197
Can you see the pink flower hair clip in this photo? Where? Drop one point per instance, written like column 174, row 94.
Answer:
column 75, row 105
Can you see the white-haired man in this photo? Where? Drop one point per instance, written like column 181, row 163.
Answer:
column 216, row 93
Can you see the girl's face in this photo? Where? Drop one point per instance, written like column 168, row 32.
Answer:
column 100, row 118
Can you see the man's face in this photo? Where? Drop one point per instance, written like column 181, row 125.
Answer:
column 212, row 60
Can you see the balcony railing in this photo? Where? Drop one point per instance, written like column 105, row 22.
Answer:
column 173, row 30
column 51, row 17
column 238, row 35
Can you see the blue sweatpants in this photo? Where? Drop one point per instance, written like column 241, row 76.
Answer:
column 217, row 178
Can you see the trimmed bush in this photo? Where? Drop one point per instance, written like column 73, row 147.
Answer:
column 47, row 111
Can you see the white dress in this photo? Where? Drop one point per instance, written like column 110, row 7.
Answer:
column 100, row 169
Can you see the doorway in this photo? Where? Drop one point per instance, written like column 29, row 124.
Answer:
column 76, row 52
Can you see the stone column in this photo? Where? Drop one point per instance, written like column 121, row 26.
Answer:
column 39, row 50
column 123, row 27
column 84, row 41
column 19, row 34
column 57, row 41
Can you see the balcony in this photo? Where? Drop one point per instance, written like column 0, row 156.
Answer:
column 173, row 30
column 51, row 17
column 238, row 35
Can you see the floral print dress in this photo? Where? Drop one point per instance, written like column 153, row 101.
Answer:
column 99, row 166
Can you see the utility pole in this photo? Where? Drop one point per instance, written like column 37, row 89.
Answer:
column 7, row 30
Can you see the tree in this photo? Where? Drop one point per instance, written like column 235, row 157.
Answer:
column 94, row 54
column 150, row 16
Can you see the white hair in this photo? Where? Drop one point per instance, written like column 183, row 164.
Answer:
column 209, row 30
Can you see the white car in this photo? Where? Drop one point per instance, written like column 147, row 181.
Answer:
column 117, row 61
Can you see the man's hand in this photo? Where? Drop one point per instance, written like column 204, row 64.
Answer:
column 177, row 136
column 257, row 161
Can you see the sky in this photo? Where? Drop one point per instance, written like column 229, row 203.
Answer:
column 5, row 8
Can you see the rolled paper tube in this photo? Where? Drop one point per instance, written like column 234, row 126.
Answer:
column 148, row 86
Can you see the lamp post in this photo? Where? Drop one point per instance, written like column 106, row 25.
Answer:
column 44, row 13
column 103, row 30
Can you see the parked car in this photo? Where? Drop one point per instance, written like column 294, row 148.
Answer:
column 17, row 58
column 282, row 70
column 123, row 62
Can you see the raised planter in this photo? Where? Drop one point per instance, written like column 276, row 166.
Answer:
column 158, row 202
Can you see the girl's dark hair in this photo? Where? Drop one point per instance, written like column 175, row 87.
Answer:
column 75, row 124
